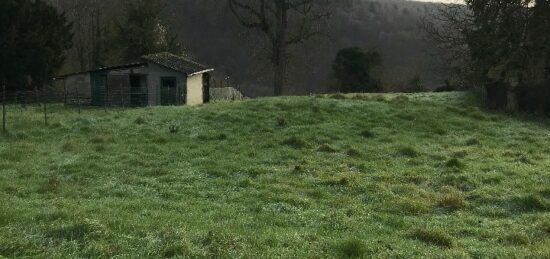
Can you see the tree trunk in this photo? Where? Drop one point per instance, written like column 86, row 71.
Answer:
column 279, row 71
column 512, row 100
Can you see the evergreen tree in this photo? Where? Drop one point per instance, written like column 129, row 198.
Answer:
column 353, row 70
column 35, row 38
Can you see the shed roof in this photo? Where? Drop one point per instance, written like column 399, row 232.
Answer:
column 174, row 62
column 101, row 69
column 165, row 59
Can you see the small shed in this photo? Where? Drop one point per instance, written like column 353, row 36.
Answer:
column 157, row 79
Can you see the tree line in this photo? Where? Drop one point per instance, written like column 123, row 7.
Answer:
column 295, row 51
column 502, row 48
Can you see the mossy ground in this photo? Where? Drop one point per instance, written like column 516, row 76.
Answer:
column 351, row 176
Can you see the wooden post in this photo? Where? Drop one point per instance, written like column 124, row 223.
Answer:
column 65, row 92
column 4, row 108
column 45, row 114
column 122, row 95
column 78, row 100
column 105, row 94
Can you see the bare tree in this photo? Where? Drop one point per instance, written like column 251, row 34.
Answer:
column 446, row 28
column 284, row 23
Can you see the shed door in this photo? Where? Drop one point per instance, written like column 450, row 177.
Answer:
column 168, row 91
column 99, row 85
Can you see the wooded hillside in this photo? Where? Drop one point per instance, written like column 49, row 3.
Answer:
column 212, row 35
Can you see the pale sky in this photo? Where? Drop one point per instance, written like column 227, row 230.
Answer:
column 441, row 1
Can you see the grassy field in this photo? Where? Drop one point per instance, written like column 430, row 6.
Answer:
column 334, row 176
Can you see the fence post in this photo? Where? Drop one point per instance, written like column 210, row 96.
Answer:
column 122, row 95
column 78, row 100
column 105, row 94
column 4, row 108
column 45, row 101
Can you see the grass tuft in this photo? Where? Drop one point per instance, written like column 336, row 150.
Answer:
column 140, row 121
column 351, row 248
column 69, row 146
column 433, row 237
column 367, row 134
column 281, row 122
column 407, row 152
column 451, row 200
column 352, row 152
column 295, row 142
column 533, row 203
column 51, row 185
column 517, row 239
column 326, row 148
column 454, row 163
column 338, row 96
column 473, row 142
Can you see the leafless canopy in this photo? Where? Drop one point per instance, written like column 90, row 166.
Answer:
column 284, row 23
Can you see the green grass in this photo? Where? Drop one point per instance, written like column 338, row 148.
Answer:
column 421, row 175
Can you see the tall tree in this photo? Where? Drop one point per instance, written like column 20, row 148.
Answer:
column 284, row 23
column 143, row 31
column 35, row 38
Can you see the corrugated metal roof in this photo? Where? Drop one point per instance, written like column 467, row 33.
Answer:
column 119, row 67
column 174, row 62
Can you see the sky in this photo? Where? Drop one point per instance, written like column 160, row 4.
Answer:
column 441, row 1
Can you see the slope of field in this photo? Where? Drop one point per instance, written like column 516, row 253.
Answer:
column 334, row 176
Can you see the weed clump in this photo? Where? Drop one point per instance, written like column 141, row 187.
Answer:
column 451, row 200
column 338, row 96
column 351, row 248
column 69, row 146
column 51, row 185
column 518, row 239
column 325, row 148
column 295, row 142
column 533, row 203
column 400, row 99
column 433, row 237
column 545, row 226
column 140, row 121
column 353, row 152
column 407, row 152
column 367, row 134
column 454, row 163
column 173, row 128
column 472, row 142
column 281, row 122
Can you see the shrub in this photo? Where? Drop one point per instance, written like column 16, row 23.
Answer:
column 433, row 237
column 351, row 248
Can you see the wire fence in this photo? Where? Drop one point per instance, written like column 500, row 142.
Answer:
column 48, row 99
